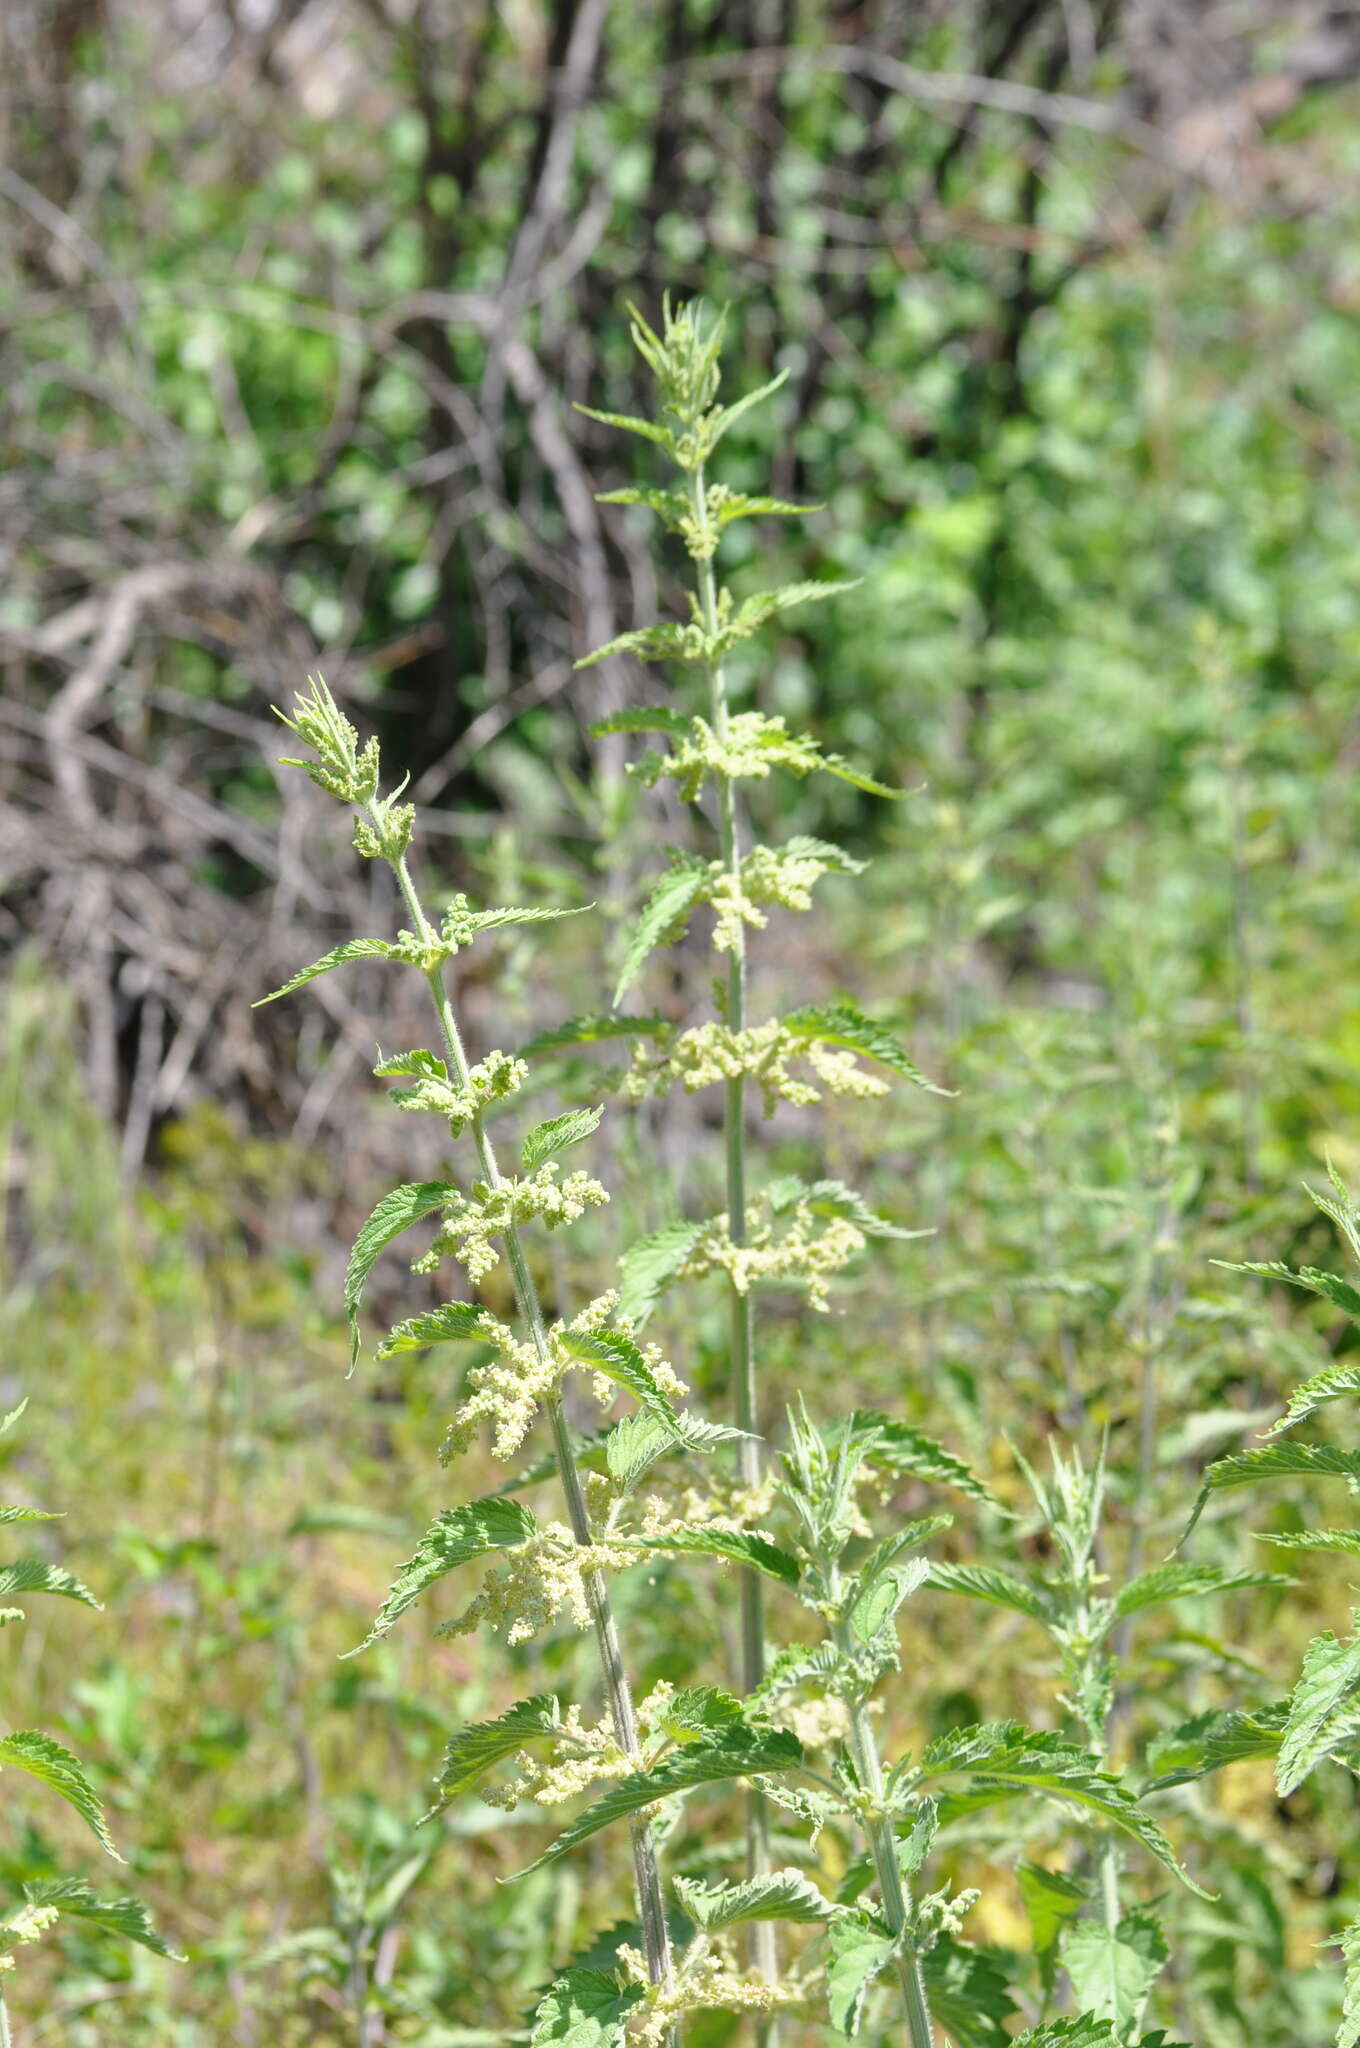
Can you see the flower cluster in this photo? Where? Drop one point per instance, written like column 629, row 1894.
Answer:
column 709, row 1053
column 340, row 768
column 712, row 1980
column 473, row 1222
column 754, row 746
column 491, row 1080
column 769, row 877
column 810, row 1251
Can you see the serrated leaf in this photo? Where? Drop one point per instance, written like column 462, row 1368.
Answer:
column 558, row 1134
column 636, row 1442
column 476, row 1749
column 1212, row 1740
column 983, row 1582
column 353, row 949
column 591, row 1031
column 786, row 1894
column 419, row 1064
column 643, row 718
column 8, row 1422
column 1346, row 1541
column 395, row 1213
column 1084, row 2032
column 618, row 1358
column 874, row 1602
column 647, row 1265
column 673, row 895
column 43, row 1757
column 1330, row 1385
column 452, row 1322
column 730, row 414
column 833, row 1198
column 1324, row 1710
column 763, row 605
column 1312, row 1279
column 700, row 1713
column 1112, row 1970
column 846, row 771
column 583, row 2009
column 737, row 1545
column 1001, row 1758
column 20, row 1514
column 858, row 1949
column 460, row 925
column 903, row 1449
column 630, row 424
column 1348, row 2033
column 1051, row 1899
column 803, row 847
column 667, row 641
column 739, row 506
column 32, row 1575
column 842, row 1024
column 1167, row 1582
column 747, row 1753
column 966, row 1988
column 124, row 1916
column 455, row 1537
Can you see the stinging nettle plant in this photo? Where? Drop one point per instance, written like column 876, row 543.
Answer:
column 874, row 1950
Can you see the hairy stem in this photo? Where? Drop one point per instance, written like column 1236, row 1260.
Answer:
column 750, row 1463
column 647, row 1877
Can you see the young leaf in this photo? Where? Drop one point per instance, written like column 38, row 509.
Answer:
column 546, row 1140
column 1324, row 1711
column 353, row 949
column 450, row 1322
column 1346, row 1541
column 833, row 1198
column 31, row 1575
column 736, row 1544
column 1348, row 2034
column 124, row 1916
column 630, row 424
column 647, row 1265
column 1085, row 2032
column 858, row 1948
column 873, row 1604
column 395, row 1213
column 1329, row 1285
column 1113, row 1970
column 1167, row 1582
column 418, row 1065
column 730, row 414
column 1051, row 1899
column 583, row 2009
column 764, row 605
column 643, row 718
column 903, row 1449
column 590, row 1031
column 635, row 1443
column 28, row 1749
column 1211, row 1740
column 779, row 1895
column 619, row 1359
column 966, row 1988
column 747, row 1752
column 842, row 1024
column 700, row 1713
column 982, row 1582
column 1321, row 1388
column 845, row 771
column 485, row 1743
column 454, row 1537
column 672, row 897
column 13, row 1514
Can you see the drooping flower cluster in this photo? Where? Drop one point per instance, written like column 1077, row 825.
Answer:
column 709, row 1053
column 473, row 1222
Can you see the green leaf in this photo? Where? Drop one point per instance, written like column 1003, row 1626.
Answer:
column 451, row 1322
column 461, row 925
column 619, row 1359
column 476, row 1749
column 329, row 1518
column 748, row 1752
column 9, row 1420
column 630, row 424
column 857, row 1951
column 1323, row 1709
column 395, row 1213
column 583, row 2009
column 1001, row 1758
column 13, row 1514
column 1348, row 2034
column 124, row 1916
column 31, row 1575
column 738, row 506
column 764, row 605
column 643, row 718
column 1329, row 1285
column 667, row 641
column 701, row 1713
column 1346, row 1541
column 28, row 1749
column 845, row 771
column 591, row 1031
column 1167, row 1582
column 873, row 1604
column 903, row 1449
column 1051, row 1899
column 982, row 1582
column 802, row 847
column 353, row 949
column 558, row 1134
column 738, row 1545
column 634, row 1444
column 420, row 1065
column 908, row 1537
column 672, row 897
column 1212, row 1740
column 730, row 414
column 1085, row 2032
column 1112, row 1971
column 1283, row 1461
column 454, row 1537
column 647, row 1265
column 842, row 1024
column 1315, row 1392
column 966, row 1989
column 779, row 1895
column 833, row 1198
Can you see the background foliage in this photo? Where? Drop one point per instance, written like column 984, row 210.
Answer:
column 296, row 300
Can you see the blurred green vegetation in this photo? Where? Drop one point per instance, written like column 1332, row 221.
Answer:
column 1086, row 428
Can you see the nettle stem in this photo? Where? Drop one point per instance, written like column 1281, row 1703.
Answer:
column 647, row 1876
column 750, row 1460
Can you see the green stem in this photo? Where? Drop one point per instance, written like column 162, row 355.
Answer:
column 894, row 1893
column 647, row 1876
column 741, row 1320
column 5, row 2041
